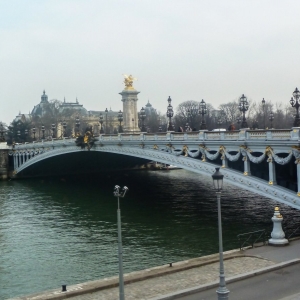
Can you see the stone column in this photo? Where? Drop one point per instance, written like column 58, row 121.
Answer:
column 3, row 164
column 272, row 172
column 247, row 170
column 129, row 98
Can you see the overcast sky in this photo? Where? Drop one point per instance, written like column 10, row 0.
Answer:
column 189, row 50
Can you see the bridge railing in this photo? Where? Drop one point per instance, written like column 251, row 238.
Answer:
column 203, row 135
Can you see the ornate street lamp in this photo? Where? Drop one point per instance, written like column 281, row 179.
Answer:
column 271, row 118
column 202, row 112
column 222, row 291
column 77, row 124
column 33, row 131
column 101, row 123
column 43, row 131
column 143, row 117
column 170, row 114
column 294, row 102
column 119, row 194
column 64, row 124
column 239, row 120
column 53, row 130
column 120, row 119
column 243, row 107
column 106, row 112
column 263, row 102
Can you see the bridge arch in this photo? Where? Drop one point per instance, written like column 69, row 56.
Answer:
column 198, row 166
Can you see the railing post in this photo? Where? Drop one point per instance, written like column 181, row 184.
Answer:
column 269, row 135
column 242, row 135
column 168, row 136
column 202, row 134
column 295, row 133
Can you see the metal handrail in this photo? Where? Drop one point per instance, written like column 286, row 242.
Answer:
column 251, row 238
column 292, row 234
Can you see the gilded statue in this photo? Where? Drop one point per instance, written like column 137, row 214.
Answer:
column 128, row 81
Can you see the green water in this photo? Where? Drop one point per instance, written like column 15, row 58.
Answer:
column 64, row 230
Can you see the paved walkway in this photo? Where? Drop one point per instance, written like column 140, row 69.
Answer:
column 157, row 283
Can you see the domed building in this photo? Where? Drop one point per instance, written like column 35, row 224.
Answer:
column 40, row 109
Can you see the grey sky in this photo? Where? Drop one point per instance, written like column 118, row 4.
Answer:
column 215, row 50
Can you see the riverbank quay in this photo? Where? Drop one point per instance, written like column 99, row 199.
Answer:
column 182, row 278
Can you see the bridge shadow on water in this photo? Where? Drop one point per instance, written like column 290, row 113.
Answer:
column 85, row 162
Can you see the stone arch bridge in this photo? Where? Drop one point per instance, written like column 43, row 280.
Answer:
column 264, row 162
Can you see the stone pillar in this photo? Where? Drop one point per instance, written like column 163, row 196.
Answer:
column 277, row 233
column 129, row 98
column 3, row 164
column 272, row 172
column 224, row 161
column 247, row 170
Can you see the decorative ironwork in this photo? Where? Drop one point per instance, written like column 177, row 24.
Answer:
column 87, row 140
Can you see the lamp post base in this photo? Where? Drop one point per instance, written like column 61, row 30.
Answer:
column 222, row 293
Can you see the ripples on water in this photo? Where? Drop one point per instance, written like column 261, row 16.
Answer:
column 55, row 231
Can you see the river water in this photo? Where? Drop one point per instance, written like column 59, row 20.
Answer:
column 64, row 230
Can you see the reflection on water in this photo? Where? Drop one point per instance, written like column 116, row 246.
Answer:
column 55, row 231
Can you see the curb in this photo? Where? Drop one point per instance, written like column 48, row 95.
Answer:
column 112, row 282
column 236, row 278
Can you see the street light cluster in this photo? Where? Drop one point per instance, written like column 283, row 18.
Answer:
column 202, row 112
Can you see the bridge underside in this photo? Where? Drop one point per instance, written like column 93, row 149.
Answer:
column 79, row 163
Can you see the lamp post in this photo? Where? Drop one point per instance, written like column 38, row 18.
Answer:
column 202, row 112
column 77, row 124
column 243, row 107
column 294, row 102
column 119, row 194
column 271, row 118
column 33, row 131
column 101, row 123
column 120, row 119
column 222, row 291
column 188, row 115
column 143, row 117
column 53, row 130
column 263, row 102
column 170, row 114
column 43, row 131
column 238, row 120
column 106, row 112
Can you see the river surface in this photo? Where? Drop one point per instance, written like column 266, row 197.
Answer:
column 64, row 230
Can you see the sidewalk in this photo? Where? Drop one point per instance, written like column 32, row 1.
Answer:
column 183, row 278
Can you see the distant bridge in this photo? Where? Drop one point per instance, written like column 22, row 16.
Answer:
column 266, row 162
